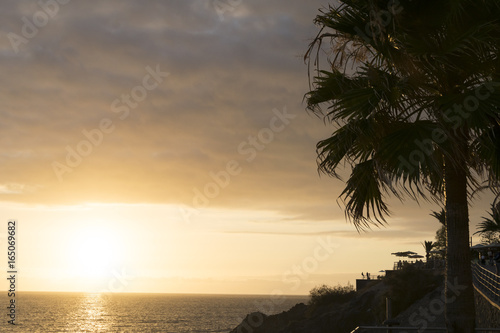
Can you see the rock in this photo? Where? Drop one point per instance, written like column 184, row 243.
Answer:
column 251, row 322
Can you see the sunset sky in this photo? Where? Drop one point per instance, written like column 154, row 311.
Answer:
column 164, row 146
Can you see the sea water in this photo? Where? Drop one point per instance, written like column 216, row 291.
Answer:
column 115, row 312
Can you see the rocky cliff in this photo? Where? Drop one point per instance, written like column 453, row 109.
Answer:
column 367, row 308
column 364, row 309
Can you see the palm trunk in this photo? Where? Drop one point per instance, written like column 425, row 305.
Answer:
column 459, row 292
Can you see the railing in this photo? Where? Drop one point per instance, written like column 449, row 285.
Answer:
column 487, row 282
column 430, row 264
column 366, row 329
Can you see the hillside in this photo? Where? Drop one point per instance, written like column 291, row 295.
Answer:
column 366, row 307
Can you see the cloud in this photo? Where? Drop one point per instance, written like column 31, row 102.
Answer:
column 13, row 188
column 227, row 77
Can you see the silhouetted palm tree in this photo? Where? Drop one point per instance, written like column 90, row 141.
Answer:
column 440, row 243
column 412, row 90
column 428, row 246
column 490, row 224
column 440, row 216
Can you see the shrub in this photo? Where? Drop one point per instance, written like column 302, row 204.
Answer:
column 327, row 295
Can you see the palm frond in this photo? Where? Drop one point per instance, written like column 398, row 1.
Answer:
column 363, row 196
column 413, row 98
column 491, row 223
column 440, row 216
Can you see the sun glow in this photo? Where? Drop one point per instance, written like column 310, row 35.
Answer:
column 95, row 251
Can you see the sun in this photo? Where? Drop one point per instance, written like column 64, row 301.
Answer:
column 95, row 252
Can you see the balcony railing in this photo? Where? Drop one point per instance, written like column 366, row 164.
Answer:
column 487, row 282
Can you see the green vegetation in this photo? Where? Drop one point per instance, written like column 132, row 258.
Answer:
column 324, row 294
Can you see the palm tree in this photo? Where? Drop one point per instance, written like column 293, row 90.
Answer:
column 440, row 216
column 428, row 246
column 411, row 88
column 490, row 226
column 440, row 243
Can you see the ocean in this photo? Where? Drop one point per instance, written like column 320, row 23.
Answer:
column 121, row 312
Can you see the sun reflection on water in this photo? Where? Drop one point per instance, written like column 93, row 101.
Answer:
column 91, row 315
